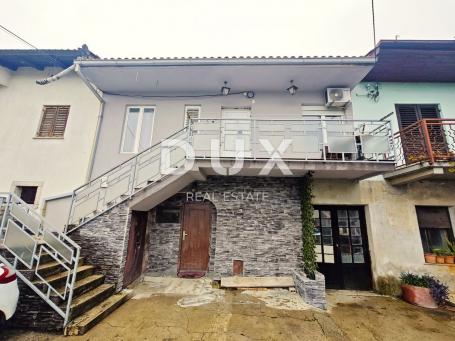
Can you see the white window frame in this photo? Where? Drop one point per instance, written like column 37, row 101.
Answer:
column 137, row 136
column 191, row 107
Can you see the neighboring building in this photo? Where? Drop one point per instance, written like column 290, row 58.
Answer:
column 46, row 132
column 412, row 212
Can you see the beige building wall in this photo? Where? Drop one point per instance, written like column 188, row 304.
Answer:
column 393, row 231
column 170, row 117
column 56, row 165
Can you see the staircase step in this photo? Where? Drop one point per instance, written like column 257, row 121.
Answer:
column 86, row 321
column 59, row 279
column 90, row 299
column 80, row 287
column 52, row 268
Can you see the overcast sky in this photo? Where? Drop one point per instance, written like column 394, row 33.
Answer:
column 134, row 28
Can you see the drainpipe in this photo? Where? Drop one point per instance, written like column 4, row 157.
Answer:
column 98, row 94
column 57, row 76
column 95, row 143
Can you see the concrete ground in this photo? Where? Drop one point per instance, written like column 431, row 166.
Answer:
column 176, row 309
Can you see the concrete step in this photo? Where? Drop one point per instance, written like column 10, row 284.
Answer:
column 80, row 287
column 257, row 282
column 86, row 321
column 51, row 268
column 59, row 279
column 90, row 299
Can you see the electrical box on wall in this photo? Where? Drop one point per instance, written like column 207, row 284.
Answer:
column 337, row 97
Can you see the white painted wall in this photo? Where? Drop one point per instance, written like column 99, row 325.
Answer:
column 58, row 165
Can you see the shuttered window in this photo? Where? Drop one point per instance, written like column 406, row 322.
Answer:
column 192, row 112
column 411, row 113
column 53, row 121
column 435, row 227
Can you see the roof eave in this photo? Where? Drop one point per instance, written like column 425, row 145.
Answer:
column 365, row 61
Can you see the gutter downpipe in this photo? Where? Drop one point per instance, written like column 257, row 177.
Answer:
column 99, row 95
column 56, row 76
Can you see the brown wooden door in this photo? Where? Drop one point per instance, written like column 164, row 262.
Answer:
column 136, row 242
column 195, row 238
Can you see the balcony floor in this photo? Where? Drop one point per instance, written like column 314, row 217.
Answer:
column 421, row 171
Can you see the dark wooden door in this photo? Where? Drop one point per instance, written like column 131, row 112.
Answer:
column 195, row 238
column 342, row 247
column 136, row 243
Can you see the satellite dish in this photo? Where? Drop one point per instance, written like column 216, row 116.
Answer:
column 336, row 94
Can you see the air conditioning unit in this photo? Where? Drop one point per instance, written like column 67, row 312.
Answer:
column 337, row 97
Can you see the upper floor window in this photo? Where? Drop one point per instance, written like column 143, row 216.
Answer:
column 137, row 129
column 53, row 121
column 435, row 227
column 192, row 112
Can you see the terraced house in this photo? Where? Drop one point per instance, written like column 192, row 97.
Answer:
column 197, row 164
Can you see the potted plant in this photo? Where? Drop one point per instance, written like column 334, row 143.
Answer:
column 430, row 258
column 440, row 256
column 423, row 290
column 450, row 255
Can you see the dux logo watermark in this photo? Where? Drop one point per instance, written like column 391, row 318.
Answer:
column 178, row 156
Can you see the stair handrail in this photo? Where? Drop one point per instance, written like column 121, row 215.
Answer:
column 27, row 236
column 101, row 181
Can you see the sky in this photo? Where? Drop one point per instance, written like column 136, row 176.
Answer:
column 182, row 28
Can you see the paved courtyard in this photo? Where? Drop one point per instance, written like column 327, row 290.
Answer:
column 172, row 309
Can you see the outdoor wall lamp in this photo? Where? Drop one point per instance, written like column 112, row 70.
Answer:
column 292, row 89
column 225, row 90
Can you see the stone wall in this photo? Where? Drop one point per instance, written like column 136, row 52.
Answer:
column 104, row 242
column 312, row 291
column 263, row 231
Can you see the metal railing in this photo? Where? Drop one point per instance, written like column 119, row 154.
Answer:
column 124, row 180
column 28, row 239
column 318, row 140
column 428, row 140
column 301, row 140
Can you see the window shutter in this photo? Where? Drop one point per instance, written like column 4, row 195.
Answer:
column 53, row 121
column 429, row 111
column 407, row 115
column 191, row 113
column 433, row 217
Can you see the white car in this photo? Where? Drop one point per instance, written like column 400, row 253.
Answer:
column 9, row 293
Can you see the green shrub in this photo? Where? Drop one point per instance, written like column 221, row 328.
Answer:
column 308, row 241
column 388, row 285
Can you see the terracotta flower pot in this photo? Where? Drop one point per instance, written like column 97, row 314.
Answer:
column 430, row 258
column 418, row 296
column 449, row 259
column 440, row 259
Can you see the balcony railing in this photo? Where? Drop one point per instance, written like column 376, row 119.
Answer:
column 295, row 140
column 428, row 140
column 292, row 140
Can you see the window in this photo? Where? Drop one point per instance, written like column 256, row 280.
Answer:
column 435, row 227
column 138, row 127
column 27, row 193
column 192, row 112
column 166, row 215
column 411, row 113
column 53, row 121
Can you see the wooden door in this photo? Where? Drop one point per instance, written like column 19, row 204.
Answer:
column 342, row 247
column 195, row 238
column 136, row 243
